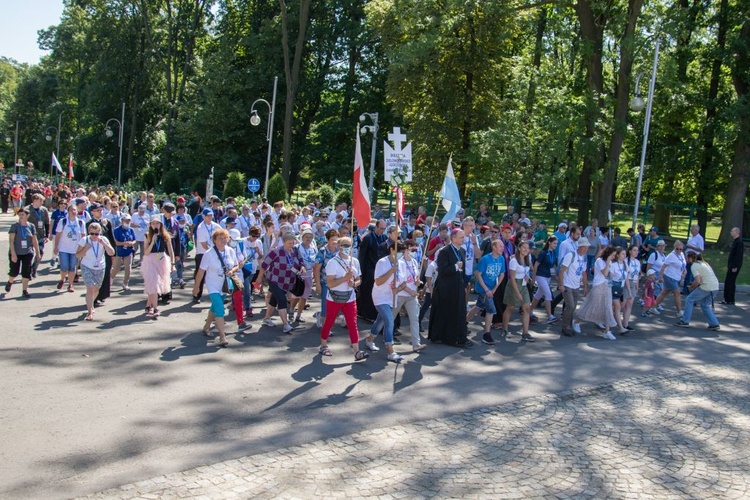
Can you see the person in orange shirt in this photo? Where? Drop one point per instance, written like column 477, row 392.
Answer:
column 16, row 197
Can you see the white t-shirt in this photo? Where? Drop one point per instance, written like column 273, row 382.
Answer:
column 307, row 256
column 409, row 274
column 470, row 255
column 431, row 271
column 696, row 241
column 656, row 260
column 139, row 224
column 214, row 272
column 383, row 294
column 244, row 223
column 251, row 251
column 634, row 270
column 519, row 270
column 575, row 265
column 71, row 234
column 204, row 234
column 94, row 257
column 618, row 271
column 337, row 268
column 567, row 246
column 674, row 265
column 599, row 266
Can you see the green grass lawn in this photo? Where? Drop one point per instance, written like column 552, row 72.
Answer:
column 718, row 261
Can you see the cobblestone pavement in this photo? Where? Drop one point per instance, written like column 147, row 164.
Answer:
column 676, row 434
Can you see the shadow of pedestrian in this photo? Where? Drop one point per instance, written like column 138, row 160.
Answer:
column 59, row 311
column 193, row 344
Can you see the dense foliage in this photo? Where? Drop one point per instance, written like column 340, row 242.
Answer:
column 530, row 98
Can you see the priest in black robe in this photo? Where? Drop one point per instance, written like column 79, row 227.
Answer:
column 448, row 311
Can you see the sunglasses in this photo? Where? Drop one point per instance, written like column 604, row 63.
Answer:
column 345, row 246
column 94, row 234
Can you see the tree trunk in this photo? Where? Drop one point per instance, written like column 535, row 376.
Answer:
column 705, row 177
column 292, row 75
column 592, row 35
column 737, row 189
column 622, row 94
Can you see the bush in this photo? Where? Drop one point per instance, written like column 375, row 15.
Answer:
column 344, row 195
column 148, row 177
column 276, row 189
column 235, row 185
column 200, row 186
column 171, row 182
column 326, row 194
column 312, row 196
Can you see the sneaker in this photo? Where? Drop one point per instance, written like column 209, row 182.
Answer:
column 299, row 319
column 714, row 328
column 660, row 308
column 680, row 313
column 526, row 337
column 26, row 294
column 182, row 284
column 418, row 347
column 156, row 313
column 244, row 326
column 7, row 287
column 624, row 331
column 318, row 320
column 576, row 327
column 608, row 335
column 287, row 328
column 268, row 322
column 497, row 326
column 60, row 284
column 70, row 288
column 630, row 328
column 506, row 333
column 342, row 322
column 248, row 315
column 150, row 312
column 655, row 311
column 371, row 346
column 553, row 319
column 394, row 357
column 126, row 288
column 533, row 319
column 601, row 326
column 487, row 339
column 640, row 302
column 645, row 314
column 683, row 324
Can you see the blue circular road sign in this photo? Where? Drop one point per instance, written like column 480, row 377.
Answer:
column 253, row 185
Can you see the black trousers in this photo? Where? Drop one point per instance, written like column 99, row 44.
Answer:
column 499, row 305
column 198, row 259
column 730, row 285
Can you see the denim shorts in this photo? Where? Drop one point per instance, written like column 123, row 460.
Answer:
column 671, row 284
column 217, row 304
column 68, row 262
column 486, row 303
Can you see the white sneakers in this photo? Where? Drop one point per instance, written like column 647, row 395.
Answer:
column 394, row 357
column 608, row 335
column 576, row 327
column 269, row 322
column 372, row 347
column 287, row 328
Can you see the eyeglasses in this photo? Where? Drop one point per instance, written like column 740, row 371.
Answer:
column 345, row 246
column 94, row 234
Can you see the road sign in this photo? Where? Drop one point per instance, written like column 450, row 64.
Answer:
column 253, row 185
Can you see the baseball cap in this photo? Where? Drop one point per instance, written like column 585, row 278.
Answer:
column 230, row 220
column 207, row 211
column 235, row 235
column 650, row 272
column 180, row 218
column 506, row 226
column 654, row 229
column 125, row 217
column 306, row 231
column 561, row 225
column 94, row 206
column 583, row 242
column 660, row 243
column 181, row 200
column 81, row 200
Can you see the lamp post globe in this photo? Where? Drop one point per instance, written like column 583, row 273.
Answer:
column 108, row 132
column 637, row 104
column 255, row 119
column 48, row 137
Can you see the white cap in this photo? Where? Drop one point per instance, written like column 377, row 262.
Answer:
column 235, row 234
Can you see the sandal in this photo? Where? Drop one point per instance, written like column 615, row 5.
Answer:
column 360, row 355
column 325, row 351
column 224, row 343
column 208, row 334
column 89, row 317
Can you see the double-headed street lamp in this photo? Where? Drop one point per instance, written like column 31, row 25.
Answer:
column 364, row 129
column 109, row 133
column 255, row 121
column 637, row 104
column 16, row 163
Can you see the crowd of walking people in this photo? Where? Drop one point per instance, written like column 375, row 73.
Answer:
column 255, row 252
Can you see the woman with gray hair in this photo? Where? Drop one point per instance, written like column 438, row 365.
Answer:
column 90, row 253
column 280, row 266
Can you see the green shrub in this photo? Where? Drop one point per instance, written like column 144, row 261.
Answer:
column 326, row 194
column 171, row 182
column 235, row 185
column 344, row 195
column 276, row 189
column 148, row 178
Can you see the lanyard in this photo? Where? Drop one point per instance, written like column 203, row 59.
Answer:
column 581, row 263
column 73, row 227
column 157, row 244
column 209, row 231
column 95, row 249
column 247, row 221
column 23, row 231
column 289, row 258
column 455, row 252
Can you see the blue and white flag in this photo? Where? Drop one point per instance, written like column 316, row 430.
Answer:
column 449, row 193
column 56, row 163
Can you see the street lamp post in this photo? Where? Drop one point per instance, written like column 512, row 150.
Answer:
column 108, row 132
column 15, row 148
column 57, row 140
column 255, row 121
column 637, row 104
column 374, row 129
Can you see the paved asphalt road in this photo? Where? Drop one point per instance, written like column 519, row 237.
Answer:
column 90, row 406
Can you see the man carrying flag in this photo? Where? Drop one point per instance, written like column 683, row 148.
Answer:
column 449, row 194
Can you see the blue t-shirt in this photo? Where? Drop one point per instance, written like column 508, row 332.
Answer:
column 121, row 234
column 322, row 258
column 491, row 268
column 546, row 263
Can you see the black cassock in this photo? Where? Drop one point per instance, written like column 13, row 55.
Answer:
column 448, row 310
